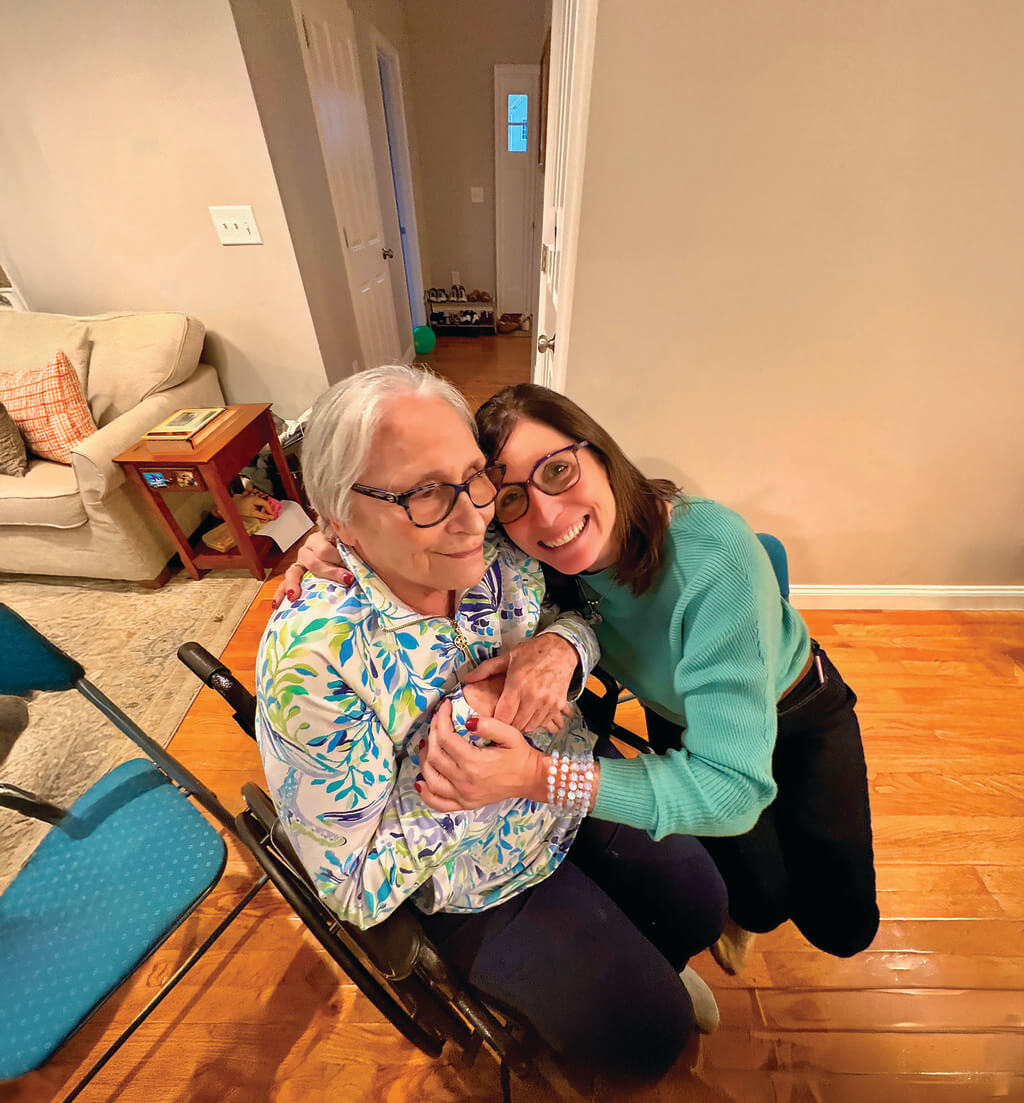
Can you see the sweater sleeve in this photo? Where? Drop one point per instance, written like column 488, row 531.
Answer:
column 721, row 780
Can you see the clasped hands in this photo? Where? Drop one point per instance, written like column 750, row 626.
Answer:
column 532, row 680
column 537, row 673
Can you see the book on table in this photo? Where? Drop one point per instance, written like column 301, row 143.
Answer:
column 182, row 429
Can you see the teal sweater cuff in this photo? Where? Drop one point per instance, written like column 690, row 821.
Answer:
column 625, row 794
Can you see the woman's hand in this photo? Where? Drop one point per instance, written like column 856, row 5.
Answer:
column 458, row 775
column 320, row 557
column 538, row 673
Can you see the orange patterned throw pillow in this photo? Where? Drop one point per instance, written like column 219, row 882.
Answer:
column 48, row 406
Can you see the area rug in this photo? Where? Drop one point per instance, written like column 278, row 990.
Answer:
column 125, row 637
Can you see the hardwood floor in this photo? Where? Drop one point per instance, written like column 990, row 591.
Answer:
column 933, row 1011
column 480, row 366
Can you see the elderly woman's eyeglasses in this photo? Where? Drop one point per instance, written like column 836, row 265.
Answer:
column 431, row 503
column 552, row 474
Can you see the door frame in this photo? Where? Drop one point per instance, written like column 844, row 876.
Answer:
column 401, row 163
column 565, row 239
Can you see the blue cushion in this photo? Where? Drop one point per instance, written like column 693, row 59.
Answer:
column 780, row 564
column 99, row 893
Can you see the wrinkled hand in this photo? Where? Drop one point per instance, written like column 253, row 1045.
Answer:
column 460, row 775
column 320, row 557
column 538, row 673
column 484, row 694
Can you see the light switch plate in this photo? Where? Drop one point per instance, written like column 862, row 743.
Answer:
column 476, row 195
column 236, row 225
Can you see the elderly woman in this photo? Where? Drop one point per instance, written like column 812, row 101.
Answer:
column 587, row 949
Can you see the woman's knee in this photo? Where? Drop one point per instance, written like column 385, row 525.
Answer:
column 634, row 1035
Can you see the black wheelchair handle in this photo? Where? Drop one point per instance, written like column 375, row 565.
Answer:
column 199, row 661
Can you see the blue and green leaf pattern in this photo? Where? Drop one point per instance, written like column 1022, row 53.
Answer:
column 346, row 683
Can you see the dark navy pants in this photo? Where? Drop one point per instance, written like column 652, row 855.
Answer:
column 809, row 857
column 591, row 956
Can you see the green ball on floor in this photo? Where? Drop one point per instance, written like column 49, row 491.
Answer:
column 423, row 339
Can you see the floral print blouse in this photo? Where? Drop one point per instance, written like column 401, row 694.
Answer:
column 347, row 681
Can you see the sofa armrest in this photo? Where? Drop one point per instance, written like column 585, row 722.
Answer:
column 93, row 459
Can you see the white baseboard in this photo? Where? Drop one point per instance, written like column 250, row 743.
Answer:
column 907, row 597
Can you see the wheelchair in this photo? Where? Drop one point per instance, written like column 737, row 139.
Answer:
column 394, row 964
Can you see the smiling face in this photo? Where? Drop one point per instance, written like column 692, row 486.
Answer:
column 419, row 440
column 572, row 531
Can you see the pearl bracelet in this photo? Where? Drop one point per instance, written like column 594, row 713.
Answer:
column 570, row 781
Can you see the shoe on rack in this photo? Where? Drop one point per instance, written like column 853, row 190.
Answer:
column 705, row 1009
column 462, row 294
column 474, row 296
column 485, row 297
column 442, row 295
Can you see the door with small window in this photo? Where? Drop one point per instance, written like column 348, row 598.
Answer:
column 518, row 184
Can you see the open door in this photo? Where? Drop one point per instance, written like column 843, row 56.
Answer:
column 573, row 32
column 332, row 66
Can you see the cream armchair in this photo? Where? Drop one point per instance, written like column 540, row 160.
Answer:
column 85, row 519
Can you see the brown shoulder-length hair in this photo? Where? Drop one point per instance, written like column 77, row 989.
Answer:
column 641, row 518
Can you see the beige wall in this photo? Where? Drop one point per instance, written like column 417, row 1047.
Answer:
column 802, row 244
column 121, row 124
column 454, row 46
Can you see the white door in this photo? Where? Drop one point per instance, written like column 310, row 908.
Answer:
column 332, row 66
column 573, row 30
column 515, row 173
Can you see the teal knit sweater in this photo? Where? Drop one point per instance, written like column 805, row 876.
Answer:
column 711, row 645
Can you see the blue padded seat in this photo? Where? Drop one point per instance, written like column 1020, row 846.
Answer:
column 98, row 895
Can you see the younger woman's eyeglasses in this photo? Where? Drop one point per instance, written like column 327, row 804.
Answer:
column 431, row 503
column 552, row 474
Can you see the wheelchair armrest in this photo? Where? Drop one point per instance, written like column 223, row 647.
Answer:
column 393, row 946
column 213, row 673
column 599, row 710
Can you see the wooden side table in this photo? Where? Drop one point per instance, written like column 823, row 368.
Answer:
column 221, row 451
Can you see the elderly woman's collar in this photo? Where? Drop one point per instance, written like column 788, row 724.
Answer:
column 393, row 612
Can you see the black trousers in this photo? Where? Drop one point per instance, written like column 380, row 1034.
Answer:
column 590, row 957
column 809, row 857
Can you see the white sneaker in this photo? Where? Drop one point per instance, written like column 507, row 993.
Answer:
column 705, row 1010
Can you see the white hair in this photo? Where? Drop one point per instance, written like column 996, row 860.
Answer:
column 337, row 440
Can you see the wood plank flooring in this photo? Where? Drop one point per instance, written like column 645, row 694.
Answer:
column 480, row 366
column 934, row 1010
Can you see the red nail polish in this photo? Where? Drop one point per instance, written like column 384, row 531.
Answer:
column 291, row 595
column 418, row 786
column 471, row 724
column 423, row 743
column 347, row 579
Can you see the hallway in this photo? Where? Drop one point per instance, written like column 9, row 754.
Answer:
column 480, row 366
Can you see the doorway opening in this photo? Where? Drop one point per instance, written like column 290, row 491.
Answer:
column 401, row 177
